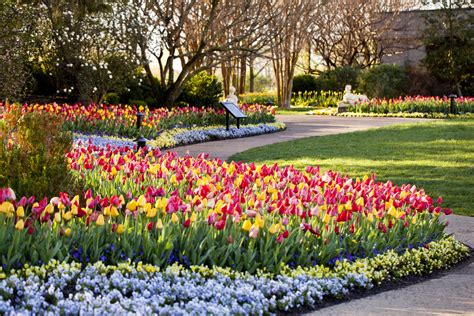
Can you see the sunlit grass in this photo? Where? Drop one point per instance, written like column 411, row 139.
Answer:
column 437, row 156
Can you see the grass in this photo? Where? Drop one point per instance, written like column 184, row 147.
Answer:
column 437, row 156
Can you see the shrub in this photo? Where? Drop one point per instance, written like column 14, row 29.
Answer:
column 329, row 80
column 258, row 98
column 383, row 81
column 111, row 98
column 336, row 79
column 302, row 83
column 202, row 90
column 32, row 153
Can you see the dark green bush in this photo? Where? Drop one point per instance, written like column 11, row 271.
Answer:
column 111, row 98
column 202, row 90
column 302, row 83
column 383, row 81
column 336, row 79
column 330, row 80
column 32, row 154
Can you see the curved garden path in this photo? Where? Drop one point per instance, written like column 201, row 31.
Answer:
column 449, row 293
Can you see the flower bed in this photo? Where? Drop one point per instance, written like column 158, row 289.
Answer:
column 183, row 136
column 120, row 120
column 186, row 136
column 139, row 288
column 163, row 209
column 154, row 233
column 417, row 104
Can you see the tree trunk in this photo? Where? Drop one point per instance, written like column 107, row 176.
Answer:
column 251, row 76
column 243, row 74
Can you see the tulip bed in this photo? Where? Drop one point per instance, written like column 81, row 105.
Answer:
column 158, row 233
column 418, row 104
column 120, row 120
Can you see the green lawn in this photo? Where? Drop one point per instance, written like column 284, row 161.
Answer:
column 437, row 156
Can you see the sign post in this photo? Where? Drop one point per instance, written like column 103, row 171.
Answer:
column 235, row 111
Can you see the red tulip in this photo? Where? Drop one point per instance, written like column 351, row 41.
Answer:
column 220, row 224
column 187, row 223
column 149, row 226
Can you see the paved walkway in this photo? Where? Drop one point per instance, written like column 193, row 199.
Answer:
column 298, row 126
column 452, row 293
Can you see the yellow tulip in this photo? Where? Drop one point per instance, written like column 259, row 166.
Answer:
column 327, row 218
column 273, row 229
column 120, row 229
column 370, row 217
column 57, row 217
column 114, row 211
column 159, row 224
column 132, row 205
column 174, row 218
column 67, row 232
column 20, row 225
column 141, row 201
column 392, row 211
column 74, row 209
column 107, row 210
column 67, row 216
column 75, row 199
column 151, row 212
column 7, row 208
column 100, row 220
column 348, row 206
column 413, row 220
column 20, row 211
column 193, row 217
column 247, row 225
column 49, row 209
column 259, row 221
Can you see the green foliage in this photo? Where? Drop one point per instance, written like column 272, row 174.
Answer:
column 258, row 98
column 450, row 46
column 202, row 90
column 414, row 105
column 261, row 83
column 316, row 99
column 383, row 81
column 32, row 154
column 302, row 83
column 336, row 79
column 111, row 98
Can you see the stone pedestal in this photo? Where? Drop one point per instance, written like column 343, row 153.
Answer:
column 343, row 106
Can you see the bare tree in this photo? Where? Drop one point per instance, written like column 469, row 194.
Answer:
column 297, row 20
column 353, row 32
column 187, row 36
